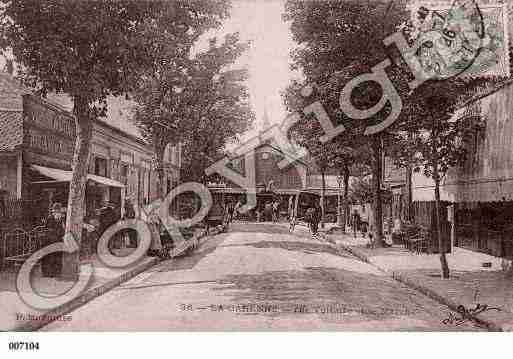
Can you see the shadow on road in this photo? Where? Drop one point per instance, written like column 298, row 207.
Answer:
column 306, row 247
column 189, row 260
column 374, row 296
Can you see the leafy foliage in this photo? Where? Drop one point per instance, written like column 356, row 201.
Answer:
column 339, row 40
column 204, row 106
column 92, row 49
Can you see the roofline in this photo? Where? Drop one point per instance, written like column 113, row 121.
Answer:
column 483, row 96
column 11, row 109
column 61, row 109
column 263, row 143
column 13, row 152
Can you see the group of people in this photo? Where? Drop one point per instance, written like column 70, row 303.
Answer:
column 313, row 216
column 222, row 213
column 360, row 224
column 269, row 212
column 95, row 223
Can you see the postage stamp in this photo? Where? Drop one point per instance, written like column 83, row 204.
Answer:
column 463, row 37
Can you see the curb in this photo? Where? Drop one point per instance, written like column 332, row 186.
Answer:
column 89, row 295
column 440, row 298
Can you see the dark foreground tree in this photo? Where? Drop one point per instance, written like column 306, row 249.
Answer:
column 88, row 50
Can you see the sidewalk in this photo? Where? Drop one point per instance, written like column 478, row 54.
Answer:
column 470, row 282
column 18, row 316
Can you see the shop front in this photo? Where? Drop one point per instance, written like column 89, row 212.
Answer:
column 51, row 185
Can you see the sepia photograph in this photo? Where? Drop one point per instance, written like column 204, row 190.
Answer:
column 281, row 166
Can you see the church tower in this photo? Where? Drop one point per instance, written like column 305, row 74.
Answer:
column 265, row 123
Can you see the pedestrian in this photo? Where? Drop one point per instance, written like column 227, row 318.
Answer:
column 364, row 226
column 130, row 214
column 89, row 236
column 311, row 217
column 355, row 222
column 316, row 219
column 51, row 264
column 230, row 209
column 276, row 207
column 268, row 212
column 291, row 208
column 236, row 209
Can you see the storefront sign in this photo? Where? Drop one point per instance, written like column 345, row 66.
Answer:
column 45, row 116
column 47, row 143
column 49, row 130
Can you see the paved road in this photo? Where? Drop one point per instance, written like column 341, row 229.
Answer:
column 260, row 277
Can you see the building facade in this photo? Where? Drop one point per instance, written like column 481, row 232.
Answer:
column 36, row 152
column 273, row 182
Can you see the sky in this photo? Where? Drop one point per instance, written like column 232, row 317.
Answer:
column 268, row 58
column 259, row 21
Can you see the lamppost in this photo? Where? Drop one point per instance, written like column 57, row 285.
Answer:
column 340, row 179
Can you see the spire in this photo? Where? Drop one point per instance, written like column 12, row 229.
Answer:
column 265, row 124
column 265, row 120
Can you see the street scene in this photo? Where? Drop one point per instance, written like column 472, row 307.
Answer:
column 261, row 277
column 217, row 165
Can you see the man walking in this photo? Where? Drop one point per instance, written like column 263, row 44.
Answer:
column 276, row 206
column 313, row 218
column 355, row 222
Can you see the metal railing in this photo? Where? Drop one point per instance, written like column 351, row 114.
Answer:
column 17, row 245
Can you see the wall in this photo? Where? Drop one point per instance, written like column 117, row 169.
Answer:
column 8, row 174
column 488, row 172
column 267, row 169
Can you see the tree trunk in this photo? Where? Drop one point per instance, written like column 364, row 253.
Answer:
column 77, row 188
column 346, row 196
column 159, row 147
column 409, row 202
column 378, row 203
column 159, row 159
column 438, row 228
column 323, row 199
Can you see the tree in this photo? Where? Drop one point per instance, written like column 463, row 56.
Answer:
column 343, row 153
column 207, row 108
column 163, row 93
column 219, row 106
column 433, row 140
column 88, row 50
column 431, row 137
column 337, row 41
column 361, row 190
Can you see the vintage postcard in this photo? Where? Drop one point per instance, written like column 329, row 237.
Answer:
column 279, row 165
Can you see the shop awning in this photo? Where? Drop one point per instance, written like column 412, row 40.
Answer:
column 106, row 181
column 65, row 176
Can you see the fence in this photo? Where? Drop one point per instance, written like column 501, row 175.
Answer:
column 17, row 245
column 11, row 209
column 18, row 213
column 485, row 227
column 424, row 214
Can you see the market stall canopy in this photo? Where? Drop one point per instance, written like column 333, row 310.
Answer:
column 65, row 176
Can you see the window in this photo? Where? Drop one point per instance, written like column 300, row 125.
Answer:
column 100, row 166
